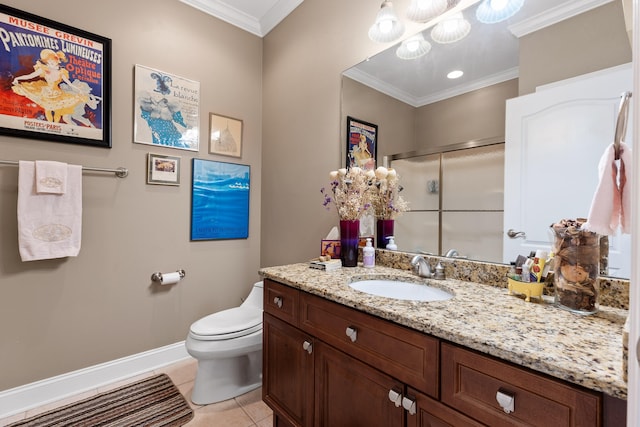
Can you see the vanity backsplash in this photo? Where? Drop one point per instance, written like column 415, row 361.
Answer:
column 613, row 292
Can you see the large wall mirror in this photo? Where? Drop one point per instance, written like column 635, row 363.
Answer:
column 424, row 117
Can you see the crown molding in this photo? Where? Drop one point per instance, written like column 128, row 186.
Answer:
column 389, row 90
column 252, row 24
column 554, row 15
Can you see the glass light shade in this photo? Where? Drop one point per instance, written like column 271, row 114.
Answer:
column 387, row 27
column 492, row 11
column 451, row 30
column 424, row 10
column 414, row 47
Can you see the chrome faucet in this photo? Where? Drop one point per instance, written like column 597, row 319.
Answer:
column 421, row 267
column 452, row 253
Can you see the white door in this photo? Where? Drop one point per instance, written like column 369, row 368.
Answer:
column 554, row 139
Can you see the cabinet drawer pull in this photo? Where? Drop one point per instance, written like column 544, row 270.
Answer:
column 278, row 301
column 409, row 405
column 395, row 396
column 307, row 346
column 506, row 400
column 352, row 333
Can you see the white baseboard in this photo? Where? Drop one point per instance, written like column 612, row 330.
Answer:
column 20, row 399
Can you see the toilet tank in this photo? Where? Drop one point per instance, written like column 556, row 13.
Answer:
column 255, row 296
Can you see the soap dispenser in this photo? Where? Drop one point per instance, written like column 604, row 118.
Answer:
column 392, row 244
column 368, row 255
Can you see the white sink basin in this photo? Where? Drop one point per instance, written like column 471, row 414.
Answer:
column 401, row 290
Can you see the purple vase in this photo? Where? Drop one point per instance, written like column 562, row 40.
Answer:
column 349, row 240
column 384, row 229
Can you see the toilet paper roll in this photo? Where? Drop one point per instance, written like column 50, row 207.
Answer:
column 170, row 278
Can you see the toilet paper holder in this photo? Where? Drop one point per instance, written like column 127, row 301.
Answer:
column 157, row 277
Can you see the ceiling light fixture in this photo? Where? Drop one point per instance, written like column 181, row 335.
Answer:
column 451, row 29
column 387, row 27
column 492, row 11
column 413, row 47
column 455, row 74
column 424, row 10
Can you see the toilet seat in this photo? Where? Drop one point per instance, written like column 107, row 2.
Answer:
column 227, row 324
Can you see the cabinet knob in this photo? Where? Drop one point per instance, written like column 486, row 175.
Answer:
column 409, row 405
column 307, row 346
column 352, row 333
column 278, row 301
column 395, row 396
column 506, row 400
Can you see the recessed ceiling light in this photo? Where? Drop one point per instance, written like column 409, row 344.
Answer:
column 455, row 74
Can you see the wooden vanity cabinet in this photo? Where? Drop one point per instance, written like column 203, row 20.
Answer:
column 326, row 364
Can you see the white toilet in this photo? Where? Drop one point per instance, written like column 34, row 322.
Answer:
column 228, row 347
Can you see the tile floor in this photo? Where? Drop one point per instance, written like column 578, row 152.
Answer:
column 247, row 410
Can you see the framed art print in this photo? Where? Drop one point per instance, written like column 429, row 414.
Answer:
column 225, row 135
column 166, row 110
column 57, row 81
column 163, row 170
column 362, row 143
column 219, row 200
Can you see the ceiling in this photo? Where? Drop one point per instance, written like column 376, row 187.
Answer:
column 255, row 16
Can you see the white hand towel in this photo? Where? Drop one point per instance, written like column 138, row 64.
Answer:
column 51, row 177
column 602, row 219
column 49, row 225
column 625, row 187
column 611, row 204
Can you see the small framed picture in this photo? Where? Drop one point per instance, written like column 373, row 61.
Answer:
column 163, row 170
column 225, row 135
column 362, row 143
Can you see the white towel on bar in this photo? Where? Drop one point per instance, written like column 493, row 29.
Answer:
column 49, row 225
column 611, row 203
column 51, row 177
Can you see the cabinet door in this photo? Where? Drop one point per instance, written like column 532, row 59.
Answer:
column 287, row 372
column 431, row 413
column 350, row 393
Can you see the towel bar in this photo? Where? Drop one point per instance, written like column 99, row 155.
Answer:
column 621, row 123
column 119, row 172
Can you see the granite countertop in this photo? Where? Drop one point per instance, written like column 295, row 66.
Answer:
column 584, row 350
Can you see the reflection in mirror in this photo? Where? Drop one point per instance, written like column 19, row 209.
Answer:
column 554, row 42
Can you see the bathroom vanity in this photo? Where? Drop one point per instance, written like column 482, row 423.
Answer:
column 335, row 356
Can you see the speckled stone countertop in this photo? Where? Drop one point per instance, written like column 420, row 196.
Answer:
column 584, row 350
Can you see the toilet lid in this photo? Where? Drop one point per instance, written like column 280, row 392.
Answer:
column 231, row 323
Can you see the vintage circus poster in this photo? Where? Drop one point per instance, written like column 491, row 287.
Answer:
column 55, row 80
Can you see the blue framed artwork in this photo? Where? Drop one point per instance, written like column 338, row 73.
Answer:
column 219, row 200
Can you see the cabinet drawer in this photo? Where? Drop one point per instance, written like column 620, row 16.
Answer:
column 409, row 356
column 281, row 301
column 470, row 382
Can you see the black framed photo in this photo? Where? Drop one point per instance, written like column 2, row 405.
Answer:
column 362, row 143
column 55, row 81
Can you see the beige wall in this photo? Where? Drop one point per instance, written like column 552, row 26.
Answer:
column 396, row 120
column 470, row 116
column 304, row 58
column 589, row 42
column 61, row 315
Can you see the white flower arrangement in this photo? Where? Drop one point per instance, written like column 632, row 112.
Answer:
column 386, row 199
column 350, row 192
